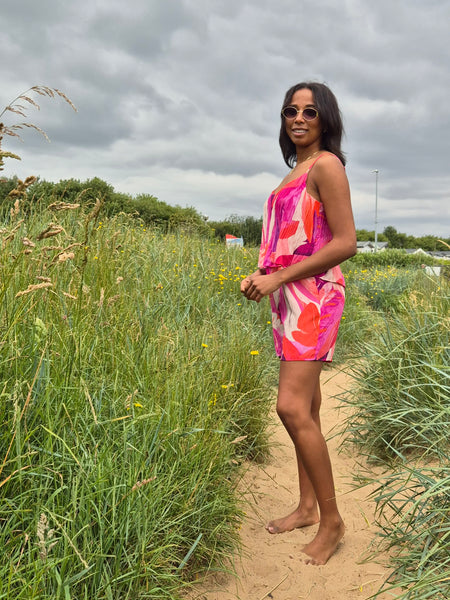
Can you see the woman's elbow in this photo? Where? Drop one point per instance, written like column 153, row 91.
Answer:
column 349, row 248
column 352, row 248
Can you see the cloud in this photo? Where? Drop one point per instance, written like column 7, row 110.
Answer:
column 181, row 98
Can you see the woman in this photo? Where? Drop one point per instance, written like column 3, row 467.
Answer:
column 308, row 230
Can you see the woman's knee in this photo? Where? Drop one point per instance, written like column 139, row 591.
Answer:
column 294, row 412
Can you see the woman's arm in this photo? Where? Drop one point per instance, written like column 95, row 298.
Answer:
column 328, row 183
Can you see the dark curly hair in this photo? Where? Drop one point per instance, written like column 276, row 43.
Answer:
column 330, row 117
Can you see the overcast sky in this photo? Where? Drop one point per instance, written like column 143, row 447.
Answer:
column 181, row 98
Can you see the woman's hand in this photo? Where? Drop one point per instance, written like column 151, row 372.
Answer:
column 244, row 284
column 256, row 287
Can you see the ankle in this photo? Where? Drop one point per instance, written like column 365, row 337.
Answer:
column 307, row 506
column 331, row 521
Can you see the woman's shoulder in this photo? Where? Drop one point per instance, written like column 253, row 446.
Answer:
column 328, row 159
column 327, row 170
column 327, row 164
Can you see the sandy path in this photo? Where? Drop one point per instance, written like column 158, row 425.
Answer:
column 271, row 566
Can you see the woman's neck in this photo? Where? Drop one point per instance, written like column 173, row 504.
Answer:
column 306, row 154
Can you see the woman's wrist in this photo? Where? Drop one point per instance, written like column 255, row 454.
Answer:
column 286, row 275
column 281, row 276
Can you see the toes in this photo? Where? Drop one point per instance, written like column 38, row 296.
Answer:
column 313, row 561
column 272, row 528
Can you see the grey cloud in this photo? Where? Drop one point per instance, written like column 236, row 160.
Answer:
column 196, row 86
column 141, row 28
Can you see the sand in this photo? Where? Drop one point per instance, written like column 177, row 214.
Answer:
column 272, row 566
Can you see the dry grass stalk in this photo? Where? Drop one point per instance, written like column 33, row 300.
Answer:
column 65, row 253
column 140, row 484
column 20, row 190
column 45, row 535
column 22, row 550
column 63, row 206
column 51, row 248
column 4, row 154
column 19, row 107
column 16, row 208
column 50, row 231
column 102, row 297
column 74, row 245
column 27, row 242
column 42, row 278
column 241, row 438
column 92, row 216
column 34, row 287
column 130, row 398
column 4, row 481
column 71, row 296
column 43, row 90
column 65, row 256
column 12, row 233
column 11, row 131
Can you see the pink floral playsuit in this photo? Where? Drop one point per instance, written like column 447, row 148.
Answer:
column 305, row 313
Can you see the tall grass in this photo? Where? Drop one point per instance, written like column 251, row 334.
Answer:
column 414, row 526
column 399, row 418
column 134, row 383
column 402, row 402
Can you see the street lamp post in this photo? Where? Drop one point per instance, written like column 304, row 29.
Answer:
column 376, row 171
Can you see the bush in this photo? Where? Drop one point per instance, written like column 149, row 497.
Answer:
column 73, row 191
column 247, row 228
column 393, row 258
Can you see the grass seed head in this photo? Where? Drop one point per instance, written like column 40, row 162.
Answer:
column 140, row 484
column 50, row 231
column 34, row 287
column 65, row 256
column 57, row 206
column 71, row 296
column 44, row 535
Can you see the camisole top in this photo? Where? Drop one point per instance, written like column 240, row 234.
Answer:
column 294, row 227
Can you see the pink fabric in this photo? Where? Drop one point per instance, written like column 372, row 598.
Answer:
column 305, row 313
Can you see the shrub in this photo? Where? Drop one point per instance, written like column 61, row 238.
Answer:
column 393, row 258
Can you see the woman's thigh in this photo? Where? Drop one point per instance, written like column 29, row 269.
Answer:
column 299, row 388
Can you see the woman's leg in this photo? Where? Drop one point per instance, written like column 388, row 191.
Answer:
column 306, row 512
column 297, row 406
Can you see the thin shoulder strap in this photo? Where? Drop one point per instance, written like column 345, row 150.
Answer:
column 320, row 156
column 314, row 162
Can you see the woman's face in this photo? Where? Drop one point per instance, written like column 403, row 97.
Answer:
column 303, row 133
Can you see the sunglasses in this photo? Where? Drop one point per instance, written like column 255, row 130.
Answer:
column 290, row 112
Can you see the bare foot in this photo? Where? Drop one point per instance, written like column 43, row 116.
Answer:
column 325, row 543
column 298, row 518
